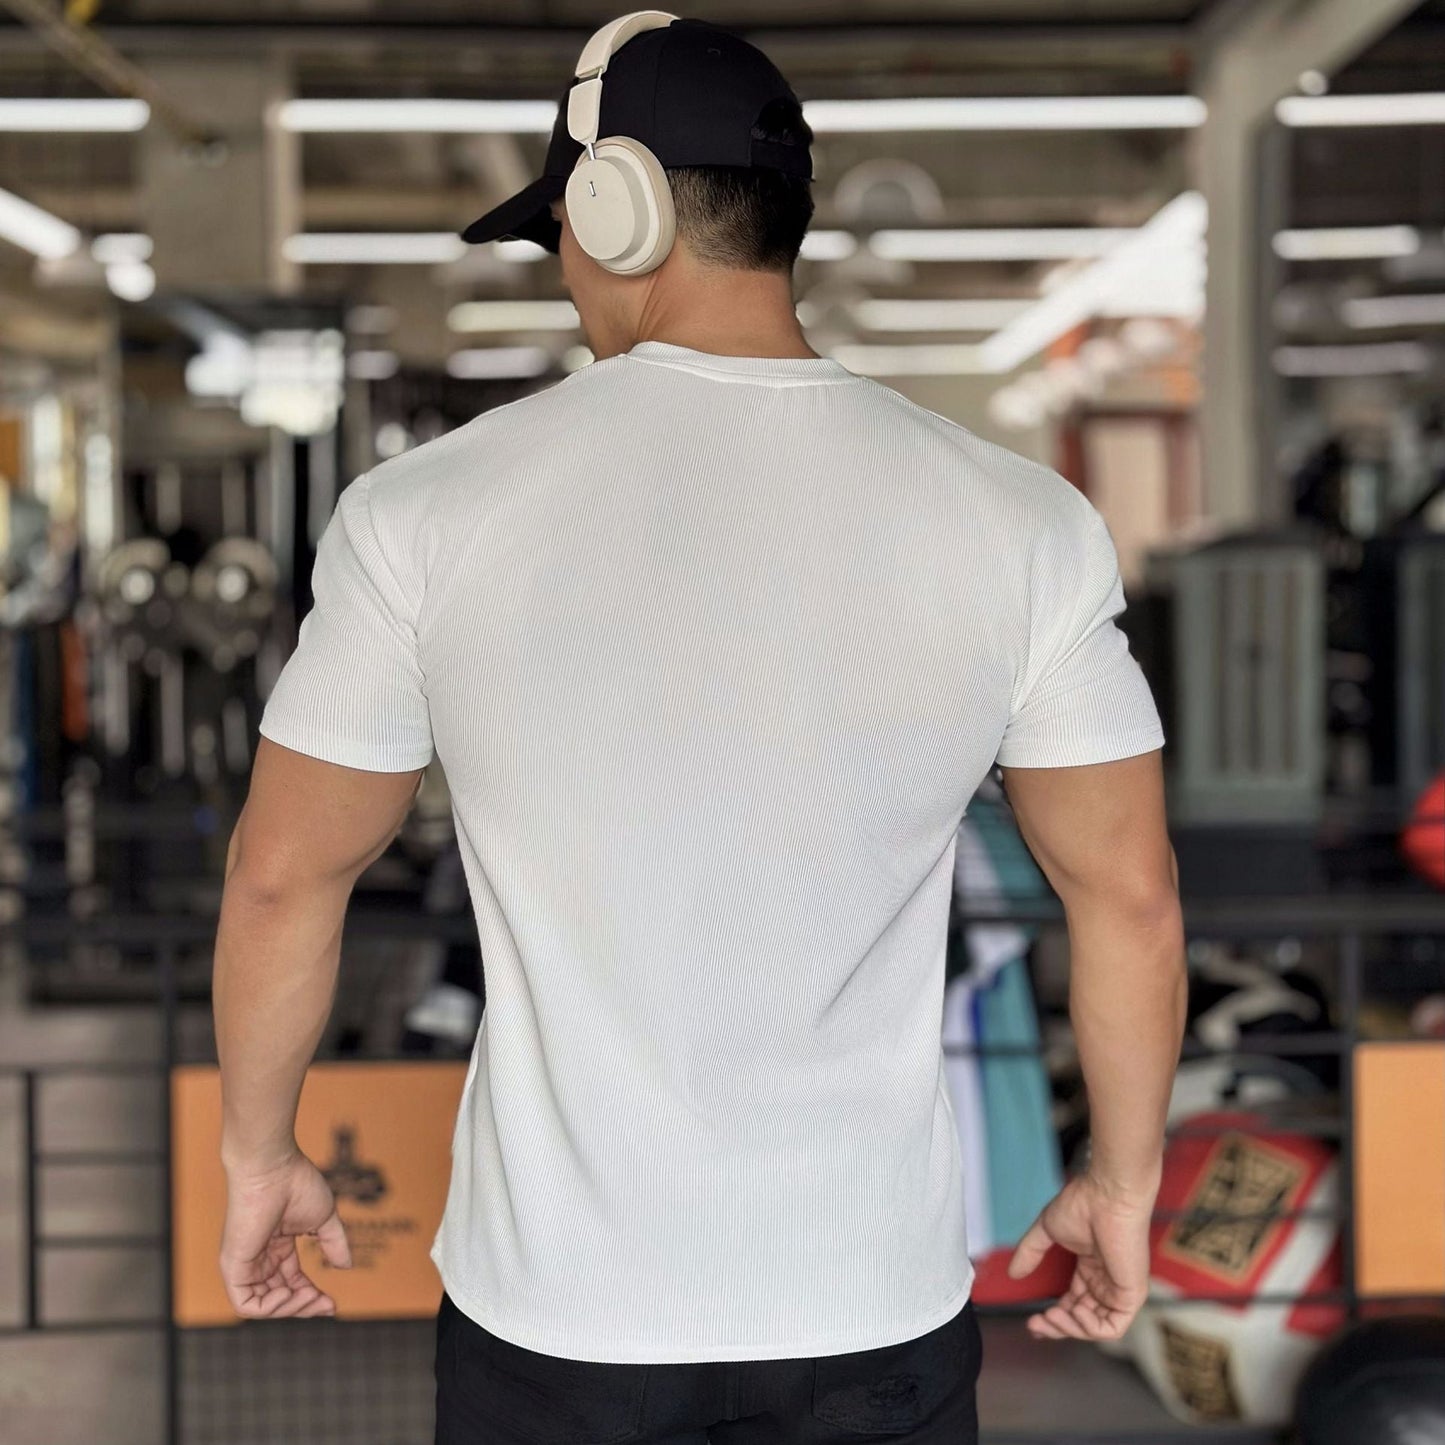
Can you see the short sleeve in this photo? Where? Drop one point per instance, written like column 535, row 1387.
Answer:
column 1082, row 698
column 352, row 692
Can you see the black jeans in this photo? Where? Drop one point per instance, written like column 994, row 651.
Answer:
column 492, row 1392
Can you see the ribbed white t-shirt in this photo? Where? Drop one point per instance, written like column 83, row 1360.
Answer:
column 713, row 651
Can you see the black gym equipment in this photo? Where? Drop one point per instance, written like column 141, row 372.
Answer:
column 1380, row 1383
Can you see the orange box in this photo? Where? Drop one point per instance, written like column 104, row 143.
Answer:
column 1400, row 1168
column 380, row 1132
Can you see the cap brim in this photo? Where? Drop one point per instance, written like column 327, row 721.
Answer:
column 525, row 217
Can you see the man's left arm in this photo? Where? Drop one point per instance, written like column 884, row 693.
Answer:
column 307, row 832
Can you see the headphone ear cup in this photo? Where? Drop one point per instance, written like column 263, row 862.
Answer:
column 619, row 206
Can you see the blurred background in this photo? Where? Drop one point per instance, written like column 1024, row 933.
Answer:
column 1190, row 253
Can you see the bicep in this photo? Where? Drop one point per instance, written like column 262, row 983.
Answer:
column 309, row 823
column 1099, row 830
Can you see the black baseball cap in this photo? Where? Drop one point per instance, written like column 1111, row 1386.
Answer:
column 693, row 93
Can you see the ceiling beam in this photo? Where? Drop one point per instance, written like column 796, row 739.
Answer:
column 102, row 64
column 1073, row 45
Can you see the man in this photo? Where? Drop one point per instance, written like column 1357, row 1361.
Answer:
column 714, row 640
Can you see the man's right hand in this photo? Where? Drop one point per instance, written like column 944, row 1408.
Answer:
column 1108, row 1232
column 267, row 1210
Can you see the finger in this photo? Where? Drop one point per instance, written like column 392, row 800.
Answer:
column 280, row 1300
column 1077, row 1302
column 1098, row 1318
column 258, row 1304
column 292, row 1274
column 1085, row 1317
column 1041, row 1329
column 1031, row 1250
column 323, row 1304
column 331, row 1236
column 1062, row 1320
column 275, row 1276
column 299, row 1300
column 1078, row 1297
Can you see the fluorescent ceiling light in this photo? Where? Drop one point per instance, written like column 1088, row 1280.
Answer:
column 1346, row 243
column 53, row 115
column 996, row 244
column 1167, row 281
column 513, row 316
column 130, row 280
column 914, row 113
column 1366, row 312
column 1421, row 108
column 115, row 248
column 951, row 315
column 828, row 246
column 1177, row 227
column 909, row 360
column 498, row 361
column 1023, row 112
column 1388, row 358
column 519, row 250
column 325, row 248
column 467, row 117
column 35, row 230
column 576, row 357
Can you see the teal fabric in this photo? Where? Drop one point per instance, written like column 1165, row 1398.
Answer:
column 1019, row 879
column 1024, row 1167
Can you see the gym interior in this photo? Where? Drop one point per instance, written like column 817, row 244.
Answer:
column 1188, row 253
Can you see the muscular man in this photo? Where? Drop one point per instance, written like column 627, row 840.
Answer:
column 714, row 640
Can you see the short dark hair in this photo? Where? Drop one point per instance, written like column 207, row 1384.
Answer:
column 748, row 218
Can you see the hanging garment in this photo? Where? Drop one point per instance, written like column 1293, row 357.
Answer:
column 1019, row 1169
column 965, row 1087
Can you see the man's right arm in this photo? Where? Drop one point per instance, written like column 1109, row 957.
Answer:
column 1098, row 832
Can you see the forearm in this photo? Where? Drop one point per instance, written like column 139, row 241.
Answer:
column 1127, row 999
column 276, row 961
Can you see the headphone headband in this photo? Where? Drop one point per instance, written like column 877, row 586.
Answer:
column 584, row 100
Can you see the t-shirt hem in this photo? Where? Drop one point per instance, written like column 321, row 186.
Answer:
column 1082, row 751
column 662, row 1352
column 346, row 752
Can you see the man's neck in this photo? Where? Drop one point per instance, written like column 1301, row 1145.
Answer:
column 727, row 313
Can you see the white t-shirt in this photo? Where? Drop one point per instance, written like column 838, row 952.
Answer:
column 713, row 651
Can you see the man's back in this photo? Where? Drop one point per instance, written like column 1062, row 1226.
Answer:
column 713, row 651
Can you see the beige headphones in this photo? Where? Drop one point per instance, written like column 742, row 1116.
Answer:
column 619, row 202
